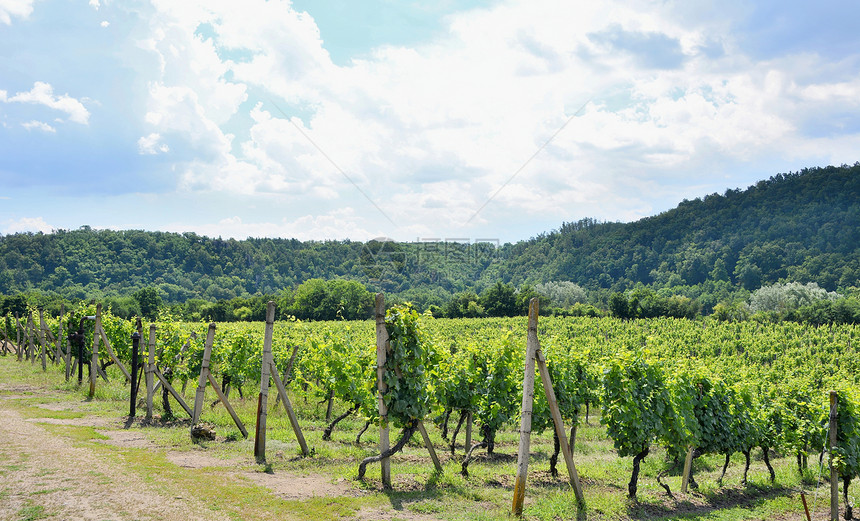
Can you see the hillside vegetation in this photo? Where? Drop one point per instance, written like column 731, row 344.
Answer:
column 797, row 227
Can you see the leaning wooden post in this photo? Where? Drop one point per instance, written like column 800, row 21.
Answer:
column 294, row 421
column 559, row 425
column 528, row 401
column 429, row 445
column 287, row 372
column 834, row 473
column 149, row 369
column 381, row 387
column 94, row 361
column 204, row 372
column 260, row 440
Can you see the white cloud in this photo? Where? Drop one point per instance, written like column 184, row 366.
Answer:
column 336, row 225
column 39, row 125
column 151, row 145
column 26, row 224
column 432, row 132
column 105, row 23
column 95, row 4
column 17, row 8
column 43, row 94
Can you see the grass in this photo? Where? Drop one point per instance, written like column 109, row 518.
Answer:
column 32, row 512
column 418, row 490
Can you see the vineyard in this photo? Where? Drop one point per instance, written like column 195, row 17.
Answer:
column 670, row 393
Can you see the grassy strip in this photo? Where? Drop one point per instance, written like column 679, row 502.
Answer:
column 485, row 495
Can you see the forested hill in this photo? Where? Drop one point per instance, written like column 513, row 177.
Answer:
column 802, row 227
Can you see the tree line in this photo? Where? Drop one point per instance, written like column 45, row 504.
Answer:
column 714, row 252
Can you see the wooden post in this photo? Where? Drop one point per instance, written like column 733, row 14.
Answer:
column 468, row 431
column 135, row 345
column 559, row 424
column 834, row 473
column 381, row 387
column 31, row 351
column 172, row 391
column 260, row 442
column 204, row 371
column 111, row 354
column 200, row 396
column 149, row 369
column 287, row 372
column 805, row 506
column 688, row 469
column 94, row 361
column 294, row 421
column 59, row 350
column 18, row 337
column 429, row 446
column 43, row 353
column 226, row 403
column 528, row 401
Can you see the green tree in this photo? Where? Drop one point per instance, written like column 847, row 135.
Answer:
column 149, row 301
column 499, row 300
column 317, row 299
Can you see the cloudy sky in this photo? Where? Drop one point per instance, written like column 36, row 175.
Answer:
column 469, row 119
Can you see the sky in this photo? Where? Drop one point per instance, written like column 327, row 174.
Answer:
column 469, row 120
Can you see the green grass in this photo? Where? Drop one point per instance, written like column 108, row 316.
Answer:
column 31, row 513
column 486, row 494
column 75, row 432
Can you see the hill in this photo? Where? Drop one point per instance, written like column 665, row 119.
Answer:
column 802, row 226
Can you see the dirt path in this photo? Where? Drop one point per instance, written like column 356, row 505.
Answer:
column 44, row 476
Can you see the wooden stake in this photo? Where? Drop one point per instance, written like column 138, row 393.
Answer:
column 381, row 387
column 18, row 335
column 205, row 375
column 148, row 372
column 287, row 371
column 294, row 421
column 204, row 371
column 109, row 349
column 57, row 349
column 688, row 469
column 31, row 351
column 42, row 339
column 559, row 425
column 172, row 391
column 834, row 473
column 528, row 401
column 94, row 361
column 429, row 446
column 260, row 443
column 468, row 431
column 226, row 403
column 805, row 506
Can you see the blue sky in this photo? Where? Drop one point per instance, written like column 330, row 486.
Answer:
column 415, row 120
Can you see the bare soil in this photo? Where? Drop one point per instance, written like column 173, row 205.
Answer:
column 45, row 475
column 70, row 482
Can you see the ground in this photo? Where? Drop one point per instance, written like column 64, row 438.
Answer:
column 64, row 456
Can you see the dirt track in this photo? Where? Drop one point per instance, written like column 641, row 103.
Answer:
column 40, row 469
